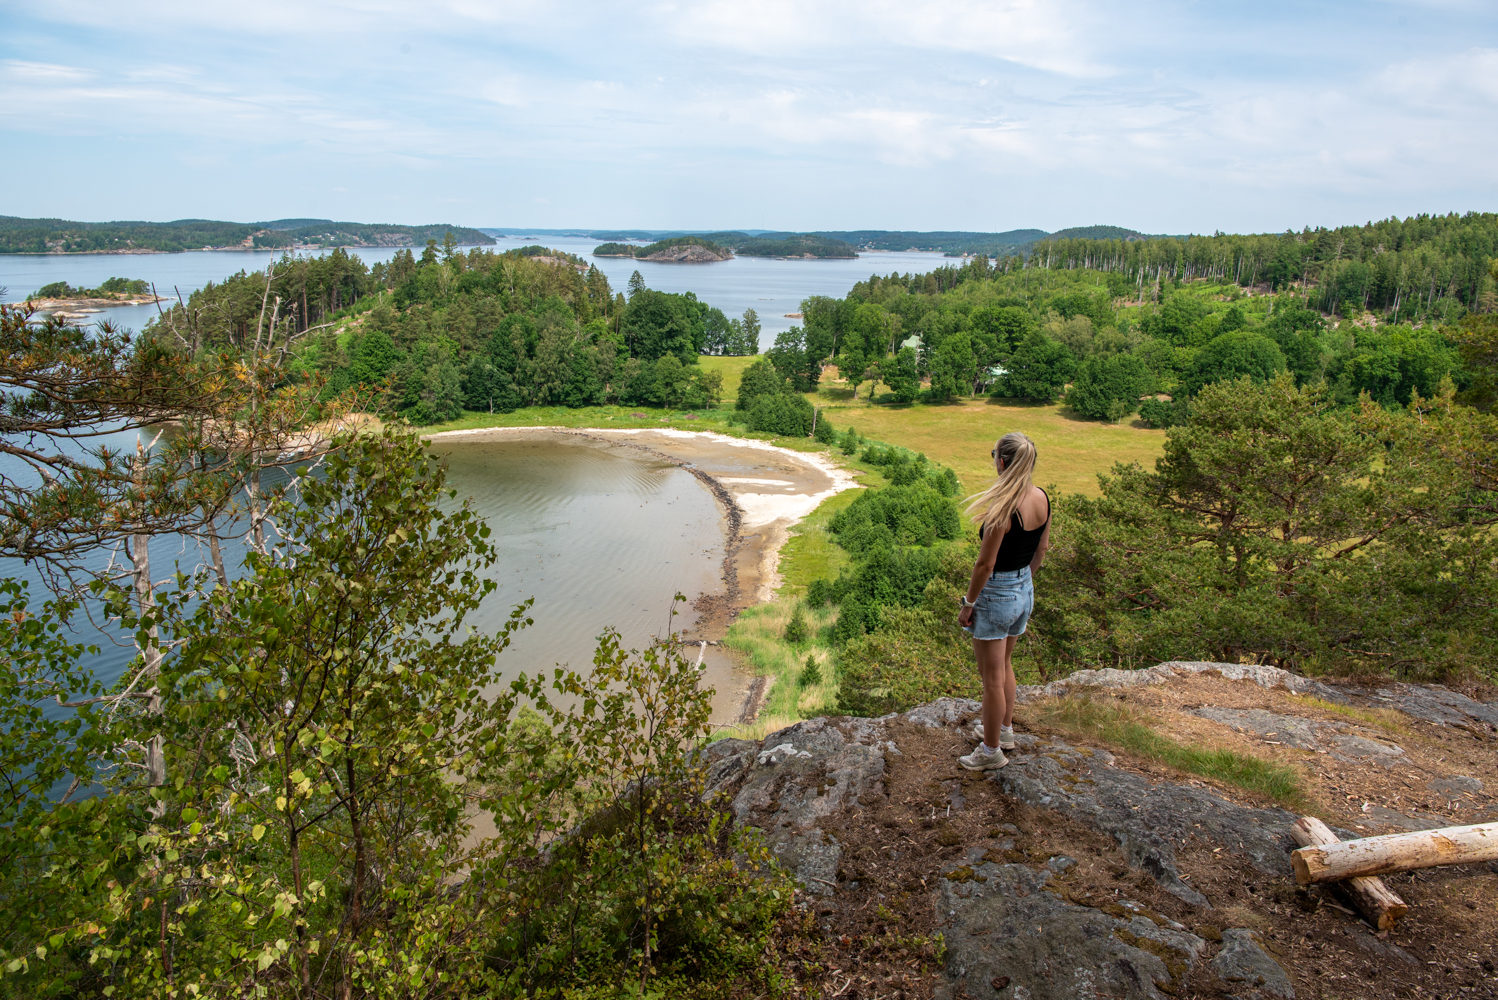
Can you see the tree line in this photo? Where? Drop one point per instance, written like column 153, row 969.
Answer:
column 1420, row 268
column 450, row 330
column 1040, row 333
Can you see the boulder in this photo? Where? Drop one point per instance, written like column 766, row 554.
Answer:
column 1006, row 924
column 1243, row 963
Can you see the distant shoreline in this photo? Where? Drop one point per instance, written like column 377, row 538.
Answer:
column 295, row 249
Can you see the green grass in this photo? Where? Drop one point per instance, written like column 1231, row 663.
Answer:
column 1071, row 450
column 732, row 369
column 811, row 553
column 1386, row 719
column 621, row 417
column 758, row 637
column 1119, row 726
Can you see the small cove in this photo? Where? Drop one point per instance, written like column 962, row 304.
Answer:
column 600, row 535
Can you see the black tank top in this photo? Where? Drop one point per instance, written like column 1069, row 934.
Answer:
column 1018, row 545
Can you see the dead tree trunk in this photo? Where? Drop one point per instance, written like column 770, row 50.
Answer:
column 1376, row 901
column 1396, row 852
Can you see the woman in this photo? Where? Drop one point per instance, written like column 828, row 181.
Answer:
column 1014, row 532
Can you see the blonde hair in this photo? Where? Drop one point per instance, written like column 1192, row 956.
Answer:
column 997, row 504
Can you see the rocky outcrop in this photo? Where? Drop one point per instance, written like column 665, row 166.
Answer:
column 689, row 253
column 1181, row 887
column 1007, row 925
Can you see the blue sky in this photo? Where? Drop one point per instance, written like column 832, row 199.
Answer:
column 793, row 114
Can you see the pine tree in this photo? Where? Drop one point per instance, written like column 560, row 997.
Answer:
column 811, row 674
column 796, row 631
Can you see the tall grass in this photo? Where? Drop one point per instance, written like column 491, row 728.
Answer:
column 1386, row 719
column 758, row 636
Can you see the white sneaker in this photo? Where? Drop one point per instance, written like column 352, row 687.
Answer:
column 1003, row 743
column 979, row 760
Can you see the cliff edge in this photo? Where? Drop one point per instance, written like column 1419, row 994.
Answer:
column 1085, row 869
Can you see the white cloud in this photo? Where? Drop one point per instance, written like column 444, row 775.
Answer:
column 1450, row 79
column 42, row 73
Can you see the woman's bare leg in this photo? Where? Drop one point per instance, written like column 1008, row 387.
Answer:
column 991, row 662
column 1006, row 683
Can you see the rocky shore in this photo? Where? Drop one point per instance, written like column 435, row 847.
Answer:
column 1076, row 872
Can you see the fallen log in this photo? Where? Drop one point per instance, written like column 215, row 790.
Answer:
column 1395, row 852
column 1379, row 904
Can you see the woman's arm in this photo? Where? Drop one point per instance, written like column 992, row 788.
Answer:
column 1045, row 543
column 988, row 552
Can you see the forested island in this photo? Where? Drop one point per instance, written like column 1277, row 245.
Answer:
column 110, row 288
column 791, row 245
column 722, row 245
column 680, row 249
column 957, row 244
column 19, row 235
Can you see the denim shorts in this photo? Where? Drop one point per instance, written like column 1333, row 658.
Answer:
column 1003, row 608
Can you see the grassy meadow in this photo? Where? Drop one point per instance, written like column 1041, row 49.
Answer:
column 1071, row 450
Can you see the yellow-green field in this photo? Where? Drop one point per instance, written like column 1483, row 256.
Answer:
column 732, row 369
column 1072, row 451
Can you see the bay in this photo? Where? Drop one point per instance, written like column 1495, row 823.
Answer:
column 598, row 534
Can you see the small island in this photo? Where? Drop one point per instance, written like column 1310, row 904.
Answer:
column 681, row 250
column 62, row 299
column 792, row 245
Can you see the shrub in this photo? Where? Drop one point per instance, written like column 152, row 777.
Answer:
column 915, row 654
column 811, row 674
column 917, row 514
column 786, row 414
column 1160, row 413
column 760, row 379
column 825, row 433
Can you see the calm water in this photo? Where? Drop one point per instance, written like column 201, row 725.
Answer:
column 599, row 535
column 771, row 287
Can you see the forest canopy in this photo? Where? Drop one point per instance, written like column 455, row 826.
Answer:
column 449, row 330
column 1383, row 309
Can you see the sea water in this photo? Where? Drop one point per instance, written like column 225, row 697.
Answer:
column 771, row 287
